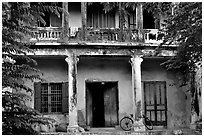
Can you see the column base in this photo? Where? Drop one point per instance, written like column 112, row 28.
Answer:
column 139, row 126
column 75, row 129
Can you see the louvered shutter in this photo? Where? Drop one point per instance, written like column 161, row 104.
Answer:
column 37, row 96
column 65, row 94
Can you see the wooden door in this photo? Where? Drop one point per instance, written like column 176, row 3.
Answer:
column 111, row 104
column 155, row 102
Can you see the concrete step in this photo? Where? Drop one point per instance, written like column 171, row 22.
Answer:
column 118, row 132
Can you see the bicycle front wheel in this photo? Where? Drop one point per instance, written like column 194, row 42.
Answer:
column 126, row 123
column 148, row 124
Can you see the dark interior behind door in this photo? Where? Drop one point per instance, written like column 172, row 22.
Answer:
column 102, row 104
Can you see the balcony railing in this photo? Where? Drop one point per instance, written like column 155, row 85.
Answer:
column 98, row 35
column 47, row 33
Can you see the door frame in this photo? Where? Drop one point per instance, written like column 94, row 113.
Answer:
column 101, row 81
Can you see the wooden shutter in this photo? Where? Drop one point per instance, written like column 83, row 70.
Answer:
column 65, row 94
column 37, row 96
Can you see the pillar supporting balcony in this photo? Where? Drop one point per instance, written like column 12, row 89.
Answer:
column 138, row 105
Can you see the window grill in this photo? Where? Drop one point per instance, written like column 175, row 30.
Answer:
column 56, row 97
column 51, row 97
column 44, row 98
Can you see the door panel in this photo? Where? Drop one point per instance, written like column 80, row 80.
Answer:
column 110, row 106
column 89, row 107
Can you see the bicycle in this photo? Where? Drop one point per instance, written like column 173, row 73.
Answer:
column 126, row 123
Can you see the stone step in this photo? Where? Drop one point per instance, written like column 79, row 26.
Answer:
column 119, row 132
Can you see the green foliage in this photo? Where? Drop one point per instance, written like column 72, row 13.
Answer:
column 183, row 28
column 18, row 20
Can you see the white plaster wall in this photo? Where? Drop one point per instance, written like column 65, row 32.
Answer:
column 107, row 70
column 54, row 70
column 178, row 102
column 118, row 69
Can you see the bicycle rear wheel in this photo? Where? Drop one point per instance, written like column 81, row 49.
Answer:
column 126, row 123
column 148, row 124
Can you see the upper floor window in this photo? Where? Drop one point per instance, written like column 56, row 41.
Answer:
column 51, row 19
column 97, row 18
column 131, row 18
column 149, row 22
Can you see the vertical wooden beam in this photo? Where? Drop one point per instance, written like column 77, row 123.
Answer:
column 158, row 17
column 121, row 21
column 84, row 19
column 65, row 21
column 139, row 21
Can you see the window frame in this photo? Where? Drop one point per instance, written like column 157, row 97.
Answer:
column 50, row 96
column 38, row 97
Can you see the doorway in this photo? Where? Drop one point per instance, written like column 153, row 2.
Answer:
column 102, row 103
column 156, row 102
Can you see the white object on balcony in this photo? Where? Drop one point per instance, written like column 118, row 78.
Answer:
column 152, row 36
column 73, row 31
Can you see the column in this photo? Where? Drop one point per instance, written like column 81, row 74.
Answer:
column 72, row 71
column 138, row 106
column 84, row 19
column 139, row 21
column 65, row 21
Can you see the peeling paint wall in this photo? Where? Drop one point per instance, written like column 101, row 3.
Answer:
column 198, row 84
column 54, row 70
column 117, row 69
column 178, row 102
column 106, row 69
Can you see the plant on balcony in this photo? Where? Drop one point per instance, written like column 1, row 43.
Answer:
column 18, row 18
column 123, row 13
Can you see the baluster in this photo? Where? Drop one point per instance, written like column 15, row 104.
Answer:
column 48, row 34
column 41, row 35
column 38, row 35
column 157, row 35
column 44, row 35
column 148, row 36
column 51, row 34
column 116, row 36
column 57, row 32
column 55, row 35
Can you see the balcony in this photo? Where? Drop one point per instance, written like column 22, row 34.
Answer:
column 103, row 35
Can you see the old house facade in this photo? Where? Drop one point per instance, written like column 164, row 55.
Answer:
column 94, row 78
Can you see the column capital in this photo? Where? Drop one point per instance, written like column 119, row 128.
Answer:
column 136, row 59
column 70, row 58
